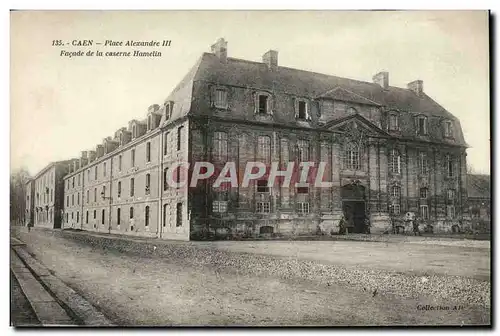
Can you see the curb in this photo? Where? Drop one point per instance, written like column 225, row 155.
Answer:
column 85, row 312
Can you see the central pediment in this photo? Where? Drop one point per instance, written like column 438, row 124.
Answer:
column 354, row 124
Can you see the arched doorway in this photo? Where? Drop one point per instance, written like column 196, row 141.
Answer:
column 354, row 206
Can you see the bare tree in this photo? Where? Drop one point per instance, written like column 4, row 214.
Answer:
column 18, row 179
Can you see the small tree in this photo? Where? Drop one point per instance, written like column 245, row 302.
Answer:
column 18, row 179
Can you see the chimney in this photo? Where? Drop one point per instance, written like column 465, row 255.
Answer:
column 270, row 58
column 76, row 165
column 417, row 87
column 100, row 150
column 382, row 79
column 219, row 48
column 153, row 108
column 92, row 155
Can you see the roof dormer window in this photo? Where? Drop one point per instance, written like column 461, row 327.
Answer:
column 393, row 122
column 263, row 103
column 302, row 110
column 169, row 107
column 448, row 129
column 150, row 122
column 134, row 131
column 421, row 124
column 220, row 98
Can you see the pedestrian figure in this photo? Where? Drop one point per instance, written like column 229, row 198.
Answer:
column 416, row 231
column 342, row 225
column 367, row 225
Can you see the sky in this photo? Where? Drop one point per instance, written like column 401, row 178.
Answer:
column 61, row 106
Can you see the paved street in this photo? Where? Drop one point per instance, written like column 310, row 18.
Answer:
column 135, row 288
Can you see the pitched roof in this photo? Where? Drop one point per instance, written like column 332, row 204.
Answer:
column 478, row 185
column 342, row 94
column 249, row 74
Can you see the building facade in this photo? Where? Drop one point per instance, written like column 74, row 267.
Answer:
column 385, row 151
column 46, row 193
column 479, row 193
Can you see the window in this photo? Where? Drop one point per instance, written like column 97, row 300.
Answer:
column 179, row 137
column 301, row 110
column 303, row 150
column 423, row 192
column 450, row 211
column 394, row 208
column 285, row 157
column 220, row 146
column 131, row 212
column 351, row 157
column 95, row 214
column 262, row 108
column 422, row 125
column 164, row 215
column 262, row 186
column 73, row 183
column 73, row 200
column 95, row 194
column 146, row 216
column 132, row 186
column 449, row 166
column 263, row 207
column 303, row 207
column 393, row 122
column 302, row 190
column 395, row 162
column 451, row 194
column 103, row 191
column 88, row 174
column 119, row 189
column 67, row 217
column 87, row 217
column 148, row 152
column 88, row 196
column 264, row 149
column 67, row 200
column 165, row 144
column 165, row 183
column 179, row 215
column 221, row 98
column 148, row 183
column 132, row 158
column 448, row 130
column 219, row 206
column 95, row 173
column 104, row 169
column 103, row 213
column 120, row 163
column 423, row 163
column 79, row 179
column 424, row 211
column 118, row 216
column 395, row 191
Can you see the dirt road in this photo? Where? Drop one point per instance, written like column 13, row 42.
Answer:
column 150, row 290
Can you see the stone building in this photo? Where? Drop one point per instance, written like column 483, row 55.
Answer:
column 388, row 151
column 45, row 190
column 479, row 193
